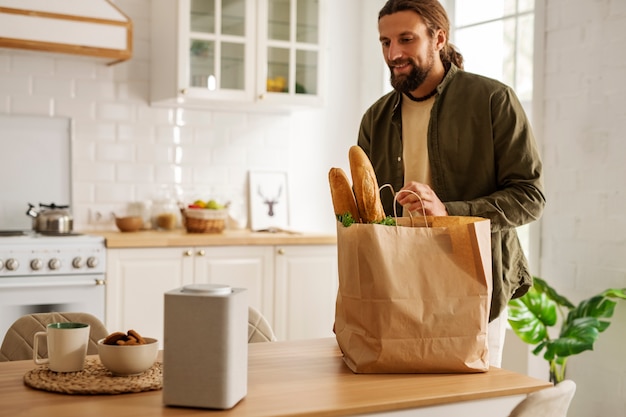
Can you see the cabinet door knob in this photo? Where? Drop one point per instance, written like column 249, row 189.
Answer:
column 188, row 252
column 201, row 252
column 281, row 251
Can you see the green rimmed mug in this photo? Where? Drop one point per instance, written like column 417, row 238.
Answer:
column 67, row 346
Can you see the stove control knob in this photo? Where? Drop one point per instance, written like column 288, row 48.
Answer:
column 36, row 264
column 12, row 264
column 77, row 262
column 92, row 262
column 1, row 264
column 54, row 264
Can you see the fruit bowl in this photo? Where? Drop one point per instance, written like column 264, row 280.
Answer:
column 204, row 220
column 125, row 360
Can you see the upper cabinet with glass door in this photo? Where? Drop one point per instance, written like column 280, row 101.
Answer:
column 290, row 52
column 202, row 50
column 216, row 53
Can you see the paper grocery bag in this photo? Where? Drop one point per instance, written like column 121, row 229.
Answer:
column 414, row 298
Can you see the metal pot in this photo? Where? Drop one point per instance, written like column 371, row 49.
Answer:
column 51, row 218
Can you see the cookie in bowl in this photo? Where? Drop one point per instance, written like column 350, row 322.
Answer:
column 126, row 354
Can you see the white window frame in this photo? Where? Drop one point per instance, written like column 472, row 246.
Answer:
column 530, row 235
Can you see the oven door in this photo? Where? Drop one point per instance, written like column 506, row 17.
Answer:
column 20, row 296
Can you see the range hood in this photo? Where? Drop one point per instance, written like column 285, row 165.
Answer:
column 94, row 28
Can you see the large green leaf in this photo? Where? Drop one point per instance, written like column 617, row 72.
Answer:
column 530, row 315
column 576, row 337
column 615, row 293
column 598, row 307
column 542, row 286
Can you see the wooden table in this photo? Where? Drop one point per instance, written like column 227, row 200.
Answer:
column 296, row 378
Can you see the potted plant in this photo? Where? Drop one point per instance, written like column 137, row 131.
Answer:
column 539, row 309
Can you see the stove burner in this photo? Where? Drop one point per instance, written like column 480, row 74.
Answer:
column 11, row 233
column 60, row 234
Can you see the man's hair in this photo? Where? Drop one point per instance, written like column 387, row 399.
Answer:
column 435, row 18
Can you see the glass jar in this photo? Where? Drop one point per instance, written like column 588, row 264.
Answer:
column 165, row 214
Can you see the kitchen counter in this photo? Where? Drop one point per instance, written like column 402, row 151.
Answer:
column 296, row 378
column 180, row 238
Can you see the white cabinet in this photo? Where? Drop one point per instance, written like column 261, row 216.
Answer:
column 212, row 54
column 250, row 267
column 136, row 282
column 294, row 286
column 306, row 290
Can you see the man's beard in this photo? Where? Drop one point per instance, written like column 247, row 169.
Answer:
column 415, row 78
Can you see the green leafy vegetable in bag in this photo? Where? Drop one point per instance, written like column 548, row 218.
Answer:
column 347, row 220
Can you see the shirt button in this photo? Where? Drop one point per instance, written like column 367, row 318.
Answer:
column 399, row 159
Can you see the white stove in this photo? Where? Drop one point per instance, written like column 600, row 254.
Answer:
column 42, row 273
column 33, row 254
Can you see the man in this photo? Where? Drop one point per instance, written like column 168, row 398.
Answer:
column 461, row 141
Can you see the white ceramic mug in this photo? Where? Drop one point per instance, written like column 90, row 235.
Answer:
column 67, row 346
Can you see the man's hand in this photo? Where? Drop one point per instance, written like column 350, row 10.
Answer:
column 429, row 203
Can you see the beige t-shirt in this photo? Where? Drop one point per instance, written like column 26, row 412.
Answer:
column 415, row 118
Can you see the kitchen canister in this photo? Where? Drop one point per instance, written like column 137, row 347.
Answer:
column 205, row 346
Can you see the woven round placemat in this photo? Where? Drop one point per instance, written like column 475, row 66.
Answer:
column 94, row 379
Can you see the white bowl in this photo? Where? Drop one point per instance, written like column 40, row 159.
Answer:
column 125, row 360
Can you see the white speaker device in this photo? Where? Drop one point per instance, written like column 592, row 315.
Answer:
column 205, row 346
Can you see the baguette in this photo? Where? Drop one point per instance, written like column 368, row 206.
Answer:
column 342, row 195
column 366, row 191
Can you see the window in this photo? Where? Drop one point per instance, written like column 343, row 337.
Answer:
column 496, row 38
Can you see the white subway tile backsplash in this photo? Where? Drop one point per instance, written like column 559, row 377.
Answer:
column 112, row 152
column 207, row 177
column 115, row 192
column 87, row 130
column 173, row 135
column 115, row 111
column 187, row 117
column 225, row 119
column 196, row 155
column 95, row 89
column 153, row 115
column 229, row 156
column 76, row 67
column 172, row 174
column 95, row 173
column 74, row 108
column 264, row 158
column 15, row 84
column 4, row 103
column 140, row 133
column 83, row 151
column 32, row 105
column 50, row 86
column 83, row 191
column 135, row 173
column 5, row 60
column 156, row 154
column 33, row 64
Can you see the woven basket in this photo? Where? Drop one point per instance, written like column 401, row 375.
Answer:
column 204, row 220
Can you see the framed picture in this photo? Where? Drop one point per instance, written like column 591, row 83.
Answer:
column 268, row 200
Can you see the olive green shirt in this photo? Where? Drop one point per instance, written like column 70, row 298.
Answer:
column 484, row 162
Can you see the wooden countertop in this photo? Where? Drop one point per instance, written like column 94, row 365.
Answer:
column 178, row 238
column 294, row 378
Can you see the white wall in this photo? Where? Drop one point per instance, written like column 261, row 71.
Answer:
column 583, row 239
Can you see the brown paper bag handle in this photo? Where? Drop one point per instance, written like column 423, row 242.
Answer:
column 395, row 206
